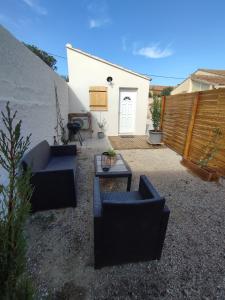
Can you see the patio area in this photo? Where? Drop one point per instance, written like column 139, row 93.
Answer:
column 60, row 253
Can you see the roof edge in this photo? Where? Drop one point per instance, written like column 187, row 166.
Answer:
column 205, row 81
column 211, row 71
column 68, row 46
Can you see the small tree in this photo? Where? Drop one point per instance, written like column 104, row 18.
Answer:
column 14, row 209
column 167, row 91
column 48, row 59
column 155, row 110
column 211, row 148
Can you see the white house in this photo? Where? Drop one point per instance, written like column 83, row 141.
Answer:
column 111, row 92
column 201, row 80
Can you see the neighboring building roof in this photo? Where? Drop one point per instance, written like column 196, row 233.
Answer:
column 217, row 80
column 159, row 87
column 107, row 62
column 217, row 72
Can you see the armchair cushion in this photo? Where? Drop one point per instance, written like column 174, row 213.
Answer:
column 114, row 198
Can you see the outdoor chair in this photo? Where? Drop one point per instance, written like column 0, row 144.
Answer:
column 53, row 170
column 128, row 226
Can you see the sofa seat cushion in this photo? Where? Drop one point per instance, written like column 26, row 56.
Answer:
column 57, row 163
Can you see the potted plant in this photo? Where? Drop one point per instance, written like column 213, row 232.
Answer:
column 101, row 125
column 112, row 154
column 108, row 159
column 155, row 135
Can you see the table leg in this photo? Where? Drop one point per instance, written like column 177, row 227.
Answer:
column 129, row 183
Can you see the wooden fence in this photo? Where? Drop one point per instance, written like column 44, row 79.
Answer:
column 189, row 122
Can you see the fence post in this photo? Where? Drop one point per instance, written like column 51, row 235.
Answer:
column 162, row 111
column 191, row 126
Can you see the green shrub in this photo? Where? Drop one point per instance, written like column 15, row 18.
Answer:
column 14, row 210
column 156, row 112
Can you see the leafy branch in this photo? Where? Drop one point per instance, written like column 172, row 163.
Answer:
column 155, row 110
column 211, row 148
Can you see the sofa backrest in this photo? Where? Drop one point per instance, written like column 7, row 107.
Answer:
column 38, row 157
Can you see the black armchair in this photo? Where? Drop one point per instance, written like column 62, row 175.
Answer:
column 128, row 226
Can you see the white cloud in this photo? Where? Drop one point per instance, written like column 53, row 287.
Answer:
column 97, row 11
column 97, row 7
column 96, row 23
column 33, row 4
column 154, row 51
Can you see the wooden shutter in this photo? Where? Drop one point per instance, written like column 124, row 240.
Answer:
column 98, row 98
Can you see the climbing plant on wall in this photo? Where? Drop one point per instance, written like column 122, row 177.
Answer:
column 61, row 134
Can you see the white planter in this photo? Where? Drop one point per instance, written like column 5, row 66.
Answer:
column 155, row 137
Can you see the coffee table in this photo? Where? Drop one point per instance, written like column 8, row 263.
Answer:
column 119, row 169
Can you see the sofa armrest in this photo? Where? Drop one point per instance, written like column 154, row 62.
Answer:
column 97, row 202
column 63, row 150
column 98, row 226
column 147, row 190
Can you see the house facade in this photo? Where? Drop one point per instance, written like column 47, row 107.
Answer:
column 201, row 80
column 114, row 95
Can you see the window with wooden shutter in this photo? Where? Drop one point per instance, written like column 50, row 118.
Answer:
column 98, row 98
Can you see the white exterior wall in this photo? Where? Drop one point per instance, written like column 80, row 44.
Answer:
column 189, row 85
column 85, row 71
column 28, row 83
column 200, row 86
column 184, row 87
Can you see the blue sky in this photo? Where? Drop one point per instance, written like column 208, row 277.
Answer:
column 170, row 38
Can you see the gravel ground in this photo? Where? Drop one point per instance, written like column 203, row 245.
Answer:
column 60, row 253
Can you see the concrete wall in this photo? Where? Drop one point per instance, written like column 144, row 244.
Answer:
column 85, row 71
column 28, row 83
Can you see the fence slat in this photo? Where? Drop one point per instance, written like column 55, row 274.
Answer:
column 191, row 126
column 188, row 122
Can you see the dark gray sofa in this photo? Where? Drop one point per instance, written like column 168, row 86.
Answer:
column 53, row 175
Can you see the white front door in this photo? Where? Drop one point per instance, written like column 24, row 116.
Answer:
column 127, row 111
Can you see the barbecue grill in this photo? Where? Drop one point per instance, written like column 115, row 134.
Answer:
column 74, row 129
